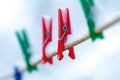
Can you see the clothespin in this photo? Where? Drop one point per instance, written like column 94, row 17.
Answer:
column 88, row 8
column 64, row 29
column 47, row 37
column 17, row 74
column 25, row 47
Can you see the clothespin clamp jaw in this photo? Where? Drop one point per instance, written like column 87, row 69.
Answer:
column 17, row 74
column 25, row 47
column 61, row 43
column 64, row 29
column 47, row 37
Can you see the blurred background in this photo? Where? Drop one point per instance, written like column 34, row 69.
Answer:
column 97, row 60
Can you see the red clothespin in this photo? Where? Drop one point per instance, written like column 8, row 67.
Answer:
column 47, row 37
column 64, row 29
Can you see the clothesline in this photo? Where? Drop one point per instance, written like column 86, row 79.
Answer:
column 84, row 38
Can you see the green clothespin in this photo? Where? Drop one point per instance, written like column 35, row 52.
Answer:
column 25, row 47
column 87, row 6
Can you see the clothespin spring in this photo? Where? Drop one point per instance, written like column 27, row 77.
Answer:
column 65, row 29
column 48, row 35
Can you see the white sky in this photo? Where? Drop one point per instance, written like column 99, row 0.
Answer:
column 94, row 61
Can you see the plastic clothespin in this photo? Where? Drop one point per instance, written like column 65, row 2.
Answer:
column 88, row 9
column 17, row 74
column 47, row 37
column 25, row 47
column 64, row 29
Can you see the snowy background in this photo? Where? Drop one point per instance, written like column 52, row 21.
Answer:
column 97, row 60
